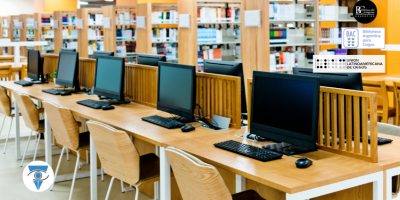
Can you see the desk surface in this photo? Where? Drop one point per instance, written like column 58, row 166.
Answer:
column 387, row 78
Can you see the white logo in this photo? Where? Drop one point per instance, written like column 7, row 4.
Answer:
column 358, row 9
column 38, row 176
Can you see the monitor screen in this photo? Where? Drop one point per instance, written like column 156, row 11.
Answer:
column 149, row 59
column 67, row 67
column 33, row 61
column 109, row 79
column 285, row 108
column 176, row 89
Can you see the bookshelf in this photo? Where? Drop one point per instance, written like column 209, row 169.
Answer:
column 44, row 31
column 27, row 33
column 14, row 31
column 66, row 36
column 5, row 32
column 91, row 36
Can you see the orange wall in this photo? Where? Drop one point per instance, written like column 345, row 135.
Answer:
column 39, row 6
column 57, row 5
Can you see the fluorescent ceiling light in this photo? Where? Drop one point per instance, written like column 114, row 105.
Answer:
column 108, row 0
column 84, row 3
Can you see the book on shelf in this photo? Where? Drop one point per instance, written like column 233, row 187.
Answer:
column 29, row 22
column 332, row 12
column 164, row 17
column 283, row 60
column 127, row 34
column 95, row 34
column 29, row 33
column 70, row 33
column 95, row 19
column 48, row 33
column 95, row 46
column 330, row 35
column 165, row 34
column 68, row 21
column 334, row 51
column 228, row 52
column 125, row 18
column 47, row 21
column 70, row 45
column 218, row 14
column 169, row 50
column 287, row 11
column 5, row 33
column 278, row 35
column 216, row 35
column 4, row 23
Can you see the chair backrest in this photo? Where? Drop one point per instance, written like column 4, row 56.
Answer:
column 5, row 103
column 380, row 88
column 388, row 129
column 196, row 180
column 65, row 128
column 116, row 151
column 28, row 110
column 5, row 72
column 396, row 86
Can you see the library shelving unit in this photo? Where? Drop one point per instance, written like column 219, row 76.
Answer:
column 66, row 35
column 293, row 34
column 91, row 36
column 15, row 31
column 5, row 33
column 44, row 31
column 27, row 33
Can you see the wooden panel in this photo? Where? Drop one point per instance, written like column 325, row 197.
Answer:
column 144, row 36
column 187, row 50
column 110, row 35
column 50, row 63
column 346, row 105
column 141, row 84
column 87, row 68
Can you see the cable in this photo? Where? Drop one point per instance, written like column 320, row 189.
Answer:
column 204, row 120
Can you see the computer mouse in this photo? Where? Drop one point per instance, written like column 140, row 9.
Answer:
column 187, row 128
column 107, row 107
column 303, row 163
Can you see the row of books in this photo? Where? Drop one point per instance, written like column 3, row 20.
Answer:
column 214, row 35
column 284, row 35
column 327, row 12
column 30, row 34
column 30, row 22
column 285, row 60
column 287, row 11
column 95, row 34
column 5, row 33
column 213, row 14
column 70, row 45
column 165, row 35
column 333, row 52
column 48, row 47
column 278, row 35
column 95, row 19
column 330, row 35
column 4, row 23
column 95, row 46
column 126, row 50
column 47, row 21
column 127, row 34
column 68, row 21
column 48, row 34
column 218, row 52
column 16, row 33
column 70, row 34
column 169, row 50
column 125, row 18
column 164, row 17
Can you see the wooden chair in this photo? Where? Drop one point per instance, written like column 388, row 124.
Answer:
column 384, row 111
column 120, row 159
column 5, row 72
column 396, row 86
column 200, row 181
column 7, row 111
column 30, row 114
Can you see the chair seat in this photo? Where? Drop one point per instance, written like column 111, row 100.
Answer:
column 149, row 167
column 84, row 140
column 247, row 195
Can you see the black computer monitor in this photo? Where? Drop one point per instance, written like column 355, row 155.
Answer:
column 68, row 69
column 230, row 69
column 177, row 89
column 97, row 54
column 35, row 65
column 149, row 59
column 109, row 81
column 67, row 50
column 350, row 81
column 284, row 108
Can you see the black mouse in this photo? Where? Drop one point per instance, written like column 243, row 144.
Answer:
column 303, row 163
column 107, row 107
column 187, row 128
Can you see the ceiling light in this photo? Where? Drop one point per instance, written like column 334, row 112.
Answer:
column 108, row 0
column 84, row 3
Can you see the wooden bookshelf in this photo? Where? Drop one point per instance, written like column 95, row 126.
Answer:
column 58, row 33
column 39, row 32
column 83, row 33
column 24, row 29
column 144, row 35
column 7, row 29
column 11, row 31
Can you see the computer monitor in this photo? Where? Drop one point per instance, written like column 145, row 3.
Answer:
column 230, row 69
column 67, row 50
column 109, row 81
column 149, row 59
column 68, row 70
column 284, row 108
column 35, row 65
column 350, row 81
column 97, row 54
column 176, row 92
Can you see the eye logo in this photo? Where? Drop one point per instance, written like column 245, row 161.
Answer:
column 38, row 176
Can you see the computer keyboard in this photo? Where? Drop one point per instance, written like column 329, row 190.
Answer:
column 381, row 141
column 164, row 122
column 57, row 92
column 249, row 151
column 23, row 83
column 95, row 104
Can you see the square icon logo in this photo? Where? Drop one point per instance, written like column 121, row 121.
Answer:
column 350, row 38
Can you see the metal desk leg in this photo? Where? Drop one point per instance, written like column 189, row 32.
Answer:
column 240, row 183
column 375, row 178
column 17, row 135
column 165, row 176
column 93, row 170
column 47, row 140
column 389, row 174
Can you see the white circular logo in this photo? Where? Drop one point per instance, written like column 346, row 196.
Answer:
column 38, row 176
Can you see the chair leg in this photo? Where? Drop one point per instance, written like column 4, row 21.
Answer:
column 1, row 129
column 102, row 174
column 109, row 188
column 67, row 151
column 26, row 148
column 8, row 136
column 122, row 187
column 37, row 145
column 137, row 193
column 58, row 166
column 73, row 179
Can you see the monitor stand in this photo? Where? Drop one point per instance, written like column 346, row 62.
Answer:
column 181, row 119
column 112, row 101
column 287, row 149
column 41, row 81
